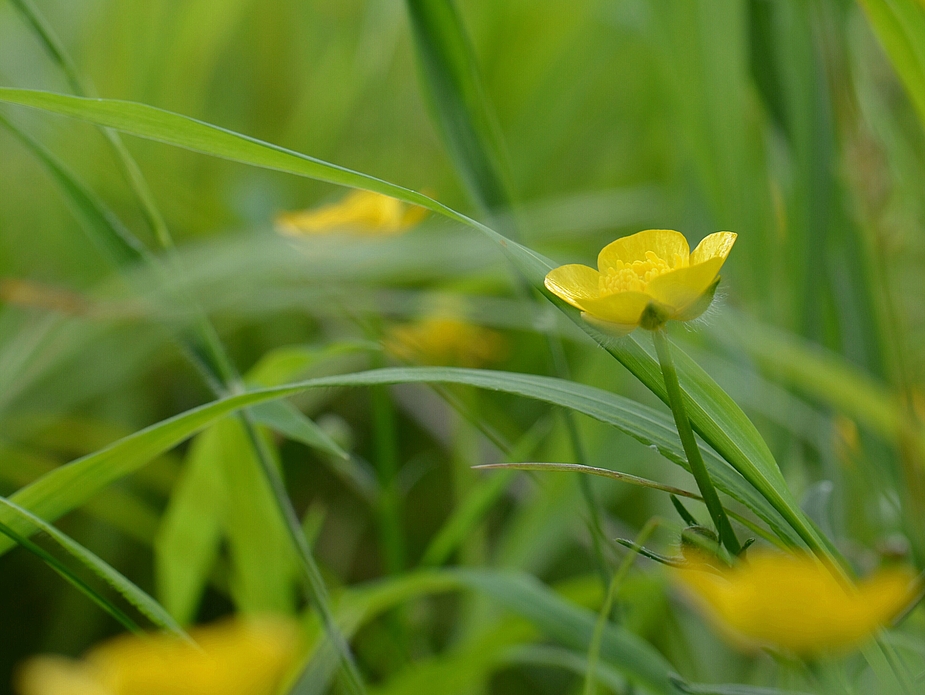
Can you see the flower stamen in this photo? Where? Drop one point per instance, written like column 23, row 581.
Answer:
column 636, row 276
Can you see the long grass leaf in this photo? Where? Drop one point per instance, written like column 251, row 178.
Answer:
column 72, row 485
column 145, row 605
column 900, row 26
column 458, row 99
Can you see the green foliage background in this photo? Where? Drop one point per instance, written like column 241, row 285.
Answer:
column 799, row 124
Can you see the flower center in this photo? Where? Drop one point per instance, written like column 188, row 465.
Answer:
column 636, row 276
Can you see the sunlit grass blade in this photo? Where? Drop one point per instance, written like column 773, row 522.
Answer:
column 289, row 421
column 189, row 536
column 81, row 87
column 137, row 598
column 72, row 485
column 900, row 25
column 262, row 561
column 102, row 227
column 457, row 96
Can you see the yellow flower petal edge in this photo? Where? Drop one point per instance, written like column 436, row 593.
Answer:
column 653, row 267
column 359, row 212
column 234, row 657
column 793, row 602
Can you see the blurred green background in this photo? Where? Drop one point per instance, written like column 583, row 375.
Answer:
column 785, row 121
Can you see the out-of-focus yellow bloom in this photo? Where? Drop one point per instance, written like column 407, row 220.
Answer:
column 359, row 212
column 794, row 602
column 240, row 657
column 654, row 268
column 446, row 341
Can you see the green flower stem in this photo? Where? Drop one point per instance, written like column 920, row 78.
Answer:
column 727, row 536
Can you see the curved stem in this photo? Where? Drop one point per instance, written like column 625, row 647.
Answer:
column 727, row 536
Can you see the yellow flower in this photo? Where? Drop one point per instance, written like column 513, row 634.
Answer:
column 654, row 268
column 446, row 341
column 796, row 603
column 240, row 657
column 359, row 212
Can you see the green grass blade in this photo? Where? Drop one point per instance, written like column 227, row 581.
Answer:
column 65, row 572
column 188, row 539
column 72, row 485
column 180, row 131
column 900, row 26
column 291, row 422
column 141, row 601
column 263, row 568
column 102, row 227
column 81, row 87
column 457, row 97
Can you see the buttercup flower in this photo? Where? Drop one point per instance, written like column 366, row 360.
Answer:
column 794, row 602
column 359, row 212
column 241, row 657
column 446, row 340
column 652, row 269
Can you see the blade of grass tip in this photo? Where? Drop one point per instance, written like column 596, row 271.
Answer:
column 590, row 470
column 145, row 605
column 117, row 613
column 594, row 649
column 633, row 480
column 469, row 126
column 82, row 87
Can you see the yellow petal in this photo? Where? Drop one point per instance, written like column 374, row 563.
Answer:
column 359, row 211
column 622, row 308
column 681, row 288
column 240, row 657
column 716, row 245
column 664, row 243
column 574, row 283
column 794, row 602
column 55, row 675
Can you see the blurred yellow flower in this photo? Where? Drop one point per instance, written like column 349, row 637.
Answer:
column 239, row 657
column 794, row 602
column 446, row 341
column 654, row 268
column 359, row 212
